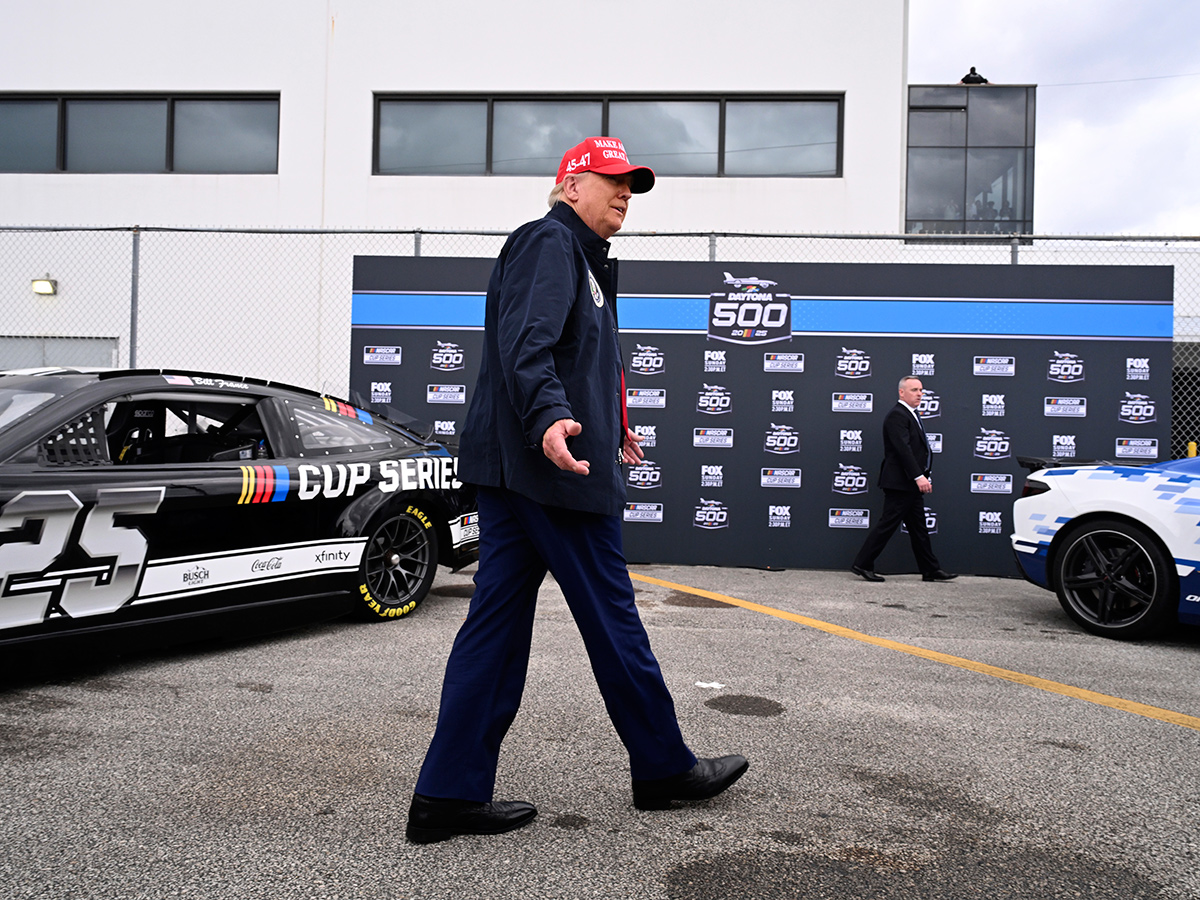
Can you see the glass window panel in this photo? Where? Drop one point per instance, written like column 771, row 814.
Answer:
column 116, row 135
column 996, row 117
column 937, row 96
column 427, row 137
column 529, row 137
column 671, row 137
column 933, row 226
column 226, row 136
column 28, row 135
column 995, row 185
column 946, row 128
column 936, row 183
column 781, row 137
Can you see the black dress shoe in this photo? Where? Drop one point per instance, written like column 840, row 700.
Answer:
column 432, row 819
column 704, row 780
column 868, row 574
column 939, row 575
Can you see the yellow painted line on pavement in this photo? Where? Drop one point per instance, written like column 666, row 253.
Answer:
column 1043, row 684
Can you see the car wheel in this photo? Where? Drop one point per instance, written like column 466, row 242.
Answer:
column 398, row 564
column 1114, row 579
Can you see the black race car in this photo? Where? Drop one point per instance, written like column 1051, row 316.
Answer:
column 129, row 496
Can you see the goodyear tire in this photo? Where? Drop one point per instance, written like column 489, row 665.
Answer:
column 398, row 565
column 1114, row 579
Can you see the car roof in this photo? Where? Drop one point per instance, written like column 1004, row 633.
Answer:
column 66, row 378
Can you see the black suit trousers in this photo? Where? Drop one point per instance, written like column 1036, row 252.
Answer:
column 907, row 506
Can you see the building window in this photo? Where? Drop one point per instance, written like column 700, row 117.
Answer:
column 675, row 135
column 151, row 134
column 970, row 160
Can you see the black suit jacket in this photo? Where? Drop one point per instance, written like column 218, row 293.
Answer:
column 905, row 450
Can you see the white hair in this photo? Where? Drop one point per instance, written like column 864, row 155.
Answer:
column 900, row 386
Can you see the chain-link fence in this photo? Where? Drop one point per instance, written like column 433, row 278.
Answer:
column 276, row 304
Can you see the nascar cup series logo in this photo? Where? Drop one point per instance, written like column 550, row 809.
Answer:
column 1137, row 448
column 849, row 480
column 447, row 357
column 1137, row 409
column 445, row 393
column 783, row 401
column 930, row 406
column 849, row 518
column 934, row 439
column 382, row 356
column 1065, row 368
column 1071, row 407
column 711, row 515
column 645, row 476
column 990, row 522
column 993, row 404
column 712, row 437
column 780, row 478
column 779, row 517
column 991, row 444
column 782, row 439
column 1005, row 366
column 1137, row 368
column 991, row 483
column 714, row 400
column 1063, row 446
column 842, row 402
column 852, row 364
column 648, row 434
column 750, row 313
column 712, row 476
column 646, row 398
column 714, row 360
column 850, row 441
column 783, row 362
column 644, row 512
column 647, row 360
column 923, row 364
column 381, row 392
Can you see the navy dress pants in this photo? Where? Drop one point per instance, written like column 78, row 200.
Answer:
column 485, row 675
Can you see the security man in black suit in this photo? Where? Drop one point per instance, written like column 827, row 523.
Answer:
column 904, row 477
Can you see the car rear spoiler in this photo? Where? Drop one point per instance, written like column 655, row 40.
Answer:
column 1034, row 463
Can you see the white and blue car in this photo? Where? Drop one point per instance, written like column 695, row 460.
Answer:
column 1120, row 545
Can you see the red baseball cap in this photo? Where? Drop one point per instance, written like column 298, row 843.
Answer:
column 607, row 156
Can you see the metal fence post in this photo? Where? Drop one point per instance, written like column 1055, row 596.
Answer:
column 133, row 297
column 712, row 247
column 1015, row 250
column 417, row 242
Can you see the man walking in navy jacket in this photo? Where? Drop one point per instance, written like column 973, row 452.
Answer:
column 544, row 441
column 905, row 479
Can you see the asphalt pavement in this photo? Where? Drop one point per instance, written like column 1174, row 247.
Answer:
column 964, row 759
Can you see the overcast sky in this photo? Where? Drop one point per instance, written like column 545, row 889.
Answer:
column 1118, row 117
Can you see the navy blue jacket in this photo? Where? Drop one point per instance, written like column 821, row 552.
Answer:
column 551, row 351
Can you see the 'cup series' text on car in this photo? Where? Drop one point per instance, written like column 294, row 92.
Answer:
column 135, row 496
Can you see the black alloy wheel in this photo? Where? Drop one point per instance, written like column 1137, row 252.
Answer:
column 398, row 565
column 1114, row 579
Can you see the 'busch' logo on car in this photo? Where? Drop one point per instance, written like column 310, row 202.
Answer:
column 1065, row 368
column 930, row 522
column 989, row 522
column 783, row 362
column 711, row 514
column 850, row 441
column 1137, row 409
column 852, row 364
column 714, row 400
column 783, row 401
column 782, row 439
column 646, row 360
column 381, row 392
column 991, row 444
column 1137, row 368
column 447, row 357
column 923, row 364
column 930, row 406
column 779, row 517
column 849, row 480
column 1063, row 446
column 645, row 476
column 714, row 360
column 748, row 315
column 445, row 427
column 648, row 434
column 712, row 476
column 993, row 404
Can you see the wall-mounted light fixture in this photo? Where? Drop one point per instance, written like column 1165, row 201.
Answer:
column 45, row 285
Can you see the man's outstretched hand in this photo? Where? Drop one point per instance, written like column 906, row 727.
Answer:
column 554, row 445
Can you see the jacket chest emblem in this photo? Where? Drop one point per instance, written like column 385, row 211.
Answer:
column 597, row 294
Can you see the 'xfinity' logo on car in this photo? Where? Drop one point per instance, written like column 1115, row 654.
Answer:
column 992, row 444
column 648, row 434
column 645, row 476
column 714, row 400
column 1063, row 446
column 1137, row 409
column 993, row 404
column 1137, row 369
column 1065, row 368
column 714, row 360
column 852, row 364
column 849, row 480
column 930, row 405
column 447, row 358
column 711, row 515
column 782, row 439
column 783, row 401
column 646, row 360
column 851, row 441
column 923, row 364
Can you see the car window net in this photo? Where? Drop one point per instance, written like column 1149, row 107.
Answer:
column 79, row 443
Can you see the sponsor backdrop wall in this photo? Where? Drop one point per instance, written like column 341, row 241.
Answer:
column 760, row 391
